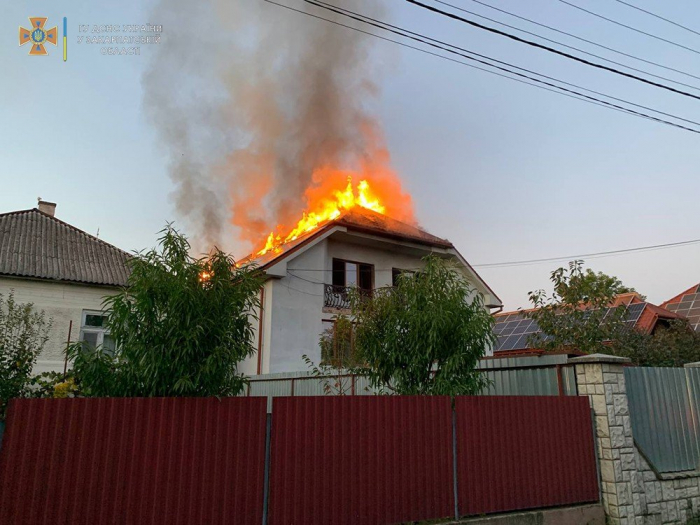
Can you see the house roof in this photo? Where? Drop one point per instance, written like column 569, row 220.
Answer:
column 363, row 220
column 686, row 304
column 36, row 245
column 513, row 329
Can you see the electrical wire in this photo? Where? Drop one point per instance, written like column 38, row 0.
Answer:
column 364, row 18
column 614, row 108
column 658, row 16
column 630, row 27
column 527, row 262
column 567, row 46
column 593, row 43
column 550, row 49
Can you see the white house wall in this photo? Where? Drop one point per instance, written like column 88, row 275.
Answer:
column 293, row 317
column 63, row 303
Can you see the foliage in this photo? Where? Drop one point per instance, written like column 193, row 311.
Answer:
column 52, row 385
column 674, row 345
column 180, row 327
column 23, row 334
column 338, row 345
column 335, row 379
column 426, row 335
column 578, row 314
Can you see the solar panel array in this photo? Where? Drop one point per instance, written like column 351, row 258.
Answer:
column 688, row 306
column 514, row 330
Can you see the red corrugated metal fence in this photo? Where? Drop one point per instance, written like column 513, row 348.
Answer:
column 524, row 452
column 340, row 460
column 140, row 461
column 356, row 460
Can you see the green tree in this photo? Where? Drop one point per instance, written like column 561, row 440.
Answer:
column 180, row 327
column 674, row 345
column 23, row 334
column 578, row 315
column 426, row 335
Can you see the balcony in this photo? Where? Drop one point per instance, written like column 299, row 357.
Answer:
column 338, row 297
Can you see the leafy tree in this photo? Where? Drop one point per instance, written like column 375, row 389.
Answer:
column 23, row 335
column 674, row 345
column 180, row 327
column 578, row 314
column 426, row 335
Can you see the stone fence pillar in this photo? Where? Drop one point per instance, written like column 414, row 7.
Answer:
column 601, row 378
column 632, row 492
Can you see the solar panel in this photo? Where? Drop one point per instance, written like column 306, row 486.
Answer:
column 514, row 330
column 689, row 307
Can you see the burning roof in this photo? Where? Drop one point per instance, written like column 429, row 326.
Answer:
column 356, row 219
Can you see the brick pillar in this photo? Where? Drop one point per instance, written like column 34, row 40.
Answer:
column 601, row 378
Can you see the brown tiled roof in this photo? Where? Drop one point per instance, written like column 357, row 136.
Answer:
column 362, row 220
column 36, row 245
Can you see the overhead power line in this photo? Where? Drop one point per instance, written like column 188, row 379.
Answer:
column 463, row 63
column 385, row 25
column 408, row 34
column 630, row 27
column 567, row 45
column 658, row 16
column 550, row 49
column 527, row 262
column 593, row 43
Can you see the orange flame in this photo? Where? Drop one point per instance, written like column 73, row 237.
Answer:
column 334, row 192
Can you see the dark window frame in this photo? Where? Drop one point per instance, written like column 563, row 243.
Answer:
column 335, row 272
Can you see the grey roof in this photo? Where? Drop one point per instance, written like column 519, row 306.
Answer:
column 36, row 245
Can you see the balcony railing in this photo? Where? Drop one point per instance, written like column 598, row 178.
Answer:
column 339, row 296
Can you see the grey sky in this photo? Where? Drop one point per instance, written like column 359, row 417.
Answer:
column 503, row 170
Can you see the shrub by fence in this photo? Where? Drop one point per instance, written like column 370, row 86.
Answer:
column 347, row 459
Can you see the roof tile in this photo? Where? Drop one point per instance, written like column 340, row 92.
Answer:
column 34, row 244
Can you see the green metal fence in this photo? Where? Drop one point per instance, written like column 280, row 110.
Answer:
column 664, row 407
column 546, row 375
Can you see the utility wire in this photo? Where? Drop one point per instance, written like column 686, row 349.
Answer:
column 658, row 16
column 550, row 49
column 567, row 46
column 526, row 262
column 630, row 27
column 613, row 108
column 356, row 17
column 464, row 63
column 573, row 36
column 353, row 14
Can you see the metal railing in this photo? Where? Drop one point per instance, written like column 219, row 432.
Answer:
column 339, row 296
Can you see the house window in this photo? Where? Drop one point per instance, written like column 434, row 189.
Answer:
column 352, row 274
column 94, row 332
column 395, row 272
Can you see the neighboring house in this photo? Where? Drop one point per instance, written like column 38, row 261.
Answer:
column 514, row 329
column 308, row 280
column 63, row 271
column 686, row 304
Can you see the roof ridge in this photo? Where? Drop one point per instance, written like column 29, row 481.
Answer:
column 64, row 223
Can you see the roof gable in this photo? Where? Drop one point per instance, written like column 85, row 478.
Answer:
column 36, row 245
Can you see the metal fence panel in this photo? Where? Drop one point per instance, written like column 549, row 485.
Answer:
column 516, row 376
column 133, row 461
column 524, row 452
column 361, row 460
column 664, row 404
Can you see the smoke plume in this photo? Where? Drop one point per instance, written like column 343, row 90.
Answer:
column 254, row 103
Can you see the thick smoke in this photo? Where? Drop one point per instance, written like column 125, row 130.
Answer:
column 250, row 99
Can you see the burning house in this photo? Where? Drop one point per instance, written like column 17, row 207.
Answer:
column 346, row 242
